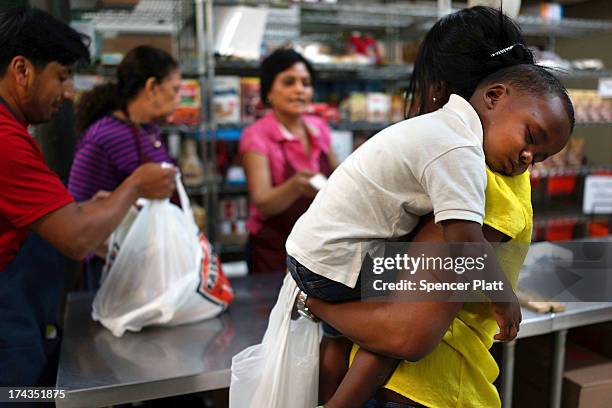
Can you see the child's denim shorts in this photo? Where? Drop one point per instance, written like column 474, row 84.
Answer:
column 373, row 403
column 322, row 288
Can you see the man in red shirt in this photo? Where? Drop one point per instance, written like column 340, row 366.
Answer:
column 37, row 56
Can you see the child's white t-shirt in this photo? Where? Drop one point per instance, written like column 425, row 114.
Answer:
column 434, row 162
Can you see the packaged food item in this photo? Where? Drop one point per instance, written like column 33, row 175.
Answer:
column 378, row 107
column 570, row 157
column 243, row 207
column 551, row 11
column 589, row 106
column 358, row 107
column 226, row 228
column 199, row 215
column 249, row 99
column 191, row 166
column 575, row 152
column 226, row 99
column 189, row 110
column 410, row 51
column 397, row 108
column 174, row 145
column 229, row 209
column 327, row 112
column 235, row 175
column 241, row 227
column 589, row 64
column 364, row 45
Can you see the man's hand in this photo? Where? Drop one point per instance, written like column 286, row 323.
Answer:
column 508, row 317
column 154, row 181
column 101, row 250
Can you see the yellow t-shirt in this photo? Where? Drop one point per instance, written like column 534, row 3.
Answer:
column 460, row 371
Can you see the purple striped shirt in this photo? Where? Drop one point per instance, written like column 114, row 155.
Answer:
column 107, row 154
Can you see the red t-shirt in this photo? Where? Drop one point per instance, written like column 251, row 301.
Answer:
column 29, row 190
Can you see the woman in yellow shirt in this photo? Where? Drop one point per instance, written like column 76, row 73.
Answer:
column 460, row 371
column 457, row 369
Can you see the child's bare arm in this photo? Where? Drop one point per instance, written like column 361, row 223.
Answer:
column 368, row 373
column 508, row 311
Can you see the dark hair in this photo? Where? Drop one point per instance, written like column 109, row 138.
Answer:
column 277, row 62
column 138, row 65
column 39, row 37
column 460, row 50
column 536, row 81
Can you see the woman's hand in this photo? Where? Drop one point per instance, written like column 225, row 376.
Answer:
column 271, row 200
column 301, row 181
column 508, row 316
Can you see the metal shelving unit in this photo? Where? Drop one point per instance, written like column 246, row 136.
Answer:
column 584, row 74
column 317, row 20
column 567, row 27
column 360, row 126
column 230, row 128
column 190, row 23
column 571, row 171
column 421, row 16
column 370, row 17
column 337, row 71
column 593, row 124
column 148, row 17
column 234, row 189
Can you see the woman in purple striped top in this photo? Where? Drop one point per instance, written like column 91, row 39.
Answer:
column 118, row 123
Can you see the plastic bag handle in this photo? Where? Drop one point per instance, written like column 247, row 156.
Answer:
column 183, row 197
column 182, row 194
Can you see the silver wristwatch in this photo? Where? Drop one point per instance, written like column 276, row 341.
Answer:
column 303, row 309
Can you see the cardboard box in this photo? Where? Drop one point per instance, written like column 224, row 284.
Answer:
column 531, row 374
column 533, row 367
column 125, row 42
column 597, row 337
column 588, row 387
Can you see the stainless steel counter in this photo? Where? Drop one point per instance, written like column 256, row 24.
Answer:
column 97, row 369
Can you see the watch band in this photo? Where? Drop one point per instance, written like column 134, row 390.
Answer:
column 302, row 309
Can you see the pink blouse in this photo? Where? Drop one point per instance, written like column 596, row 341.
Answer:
column 270, row 138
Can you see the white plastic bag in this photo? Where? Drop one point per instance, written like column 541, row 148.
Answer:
column 282, row 371
column 160, row 270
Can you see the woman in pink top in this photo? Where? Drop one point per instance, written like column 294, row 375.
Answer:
column 280, row 153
